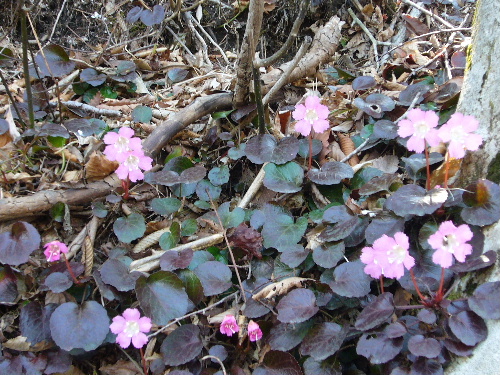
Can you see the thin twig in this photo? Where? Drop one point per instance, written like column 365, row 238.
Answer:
column 284, row 77
column 201, row 311
column 288, row 43
column 429, row 13
column 179, row 41
column 226, row 60
column 224, row 233
column 57, row 19
column 204, row 49
column 218, row 360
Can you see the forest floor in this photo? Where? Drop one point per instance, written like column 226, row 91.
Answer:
column 108, row 70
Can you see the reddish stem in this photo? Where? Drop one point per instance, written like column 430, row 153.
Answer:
column 420, row 295
column 125, row 186
column 428, row 167
column 439, row 295
column 310, row 152
column 381, row 283
column 144, row 368
column 70, row 270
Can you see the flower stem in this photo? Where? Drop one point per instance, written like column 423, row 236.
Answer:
column 446, row 169
column 439, row 295
column 420, row 295
column 428, row 167
column 70, row 270
column 144, row 368
column 309, row 165
column 125, row 186
column 381, row 283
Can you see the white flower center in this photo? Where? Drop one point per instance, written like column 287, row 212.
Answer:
column 311, row 115
column 131, row 328
column 450, row 243
column 457, row 134
column 421, row 129
column 122, row 143
column 132, row 162
column 53, row 250
column 396, row 255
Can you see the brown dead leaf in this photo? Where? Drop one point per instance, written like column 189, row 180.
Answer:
column 21, row 176
column 415, row 25
column 347, row 146
column 58, row 298
column 21, row 343
column 438, row 175
column 121, row 368
column 99, row 167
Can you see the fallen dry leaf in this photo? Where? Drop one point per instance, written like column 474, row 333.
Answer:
column 99, row 167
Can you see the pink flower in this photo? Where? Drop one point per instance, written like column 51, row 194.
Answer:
column 131, row 164
column 53, row 250
column 121, row 142
column 419, row 126
column 458, row 131
column 254, row 331
column 229, row 325
column 450, row 241
column 388, row 256
column 312, row 115
column 131, row 327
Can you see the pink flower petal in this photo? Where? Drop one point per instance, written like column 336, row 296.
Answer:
column 123, row 340
column 442, row 258
column 118, row 324
column 139, row 340
column 131, row 314
column 415, row 144
column 321, row 125
column 145, row 324
column 299, row 113
column 303, row 127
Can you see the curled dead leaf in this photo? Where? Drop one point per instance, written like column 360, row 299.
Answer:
column 280, row 287
column 347, row 146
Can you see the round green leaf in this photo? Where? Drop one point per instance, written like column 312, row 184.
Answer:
column 219, row 175
column 129, row 228
column 285, row 178
column 165, row 206
column 142, row 114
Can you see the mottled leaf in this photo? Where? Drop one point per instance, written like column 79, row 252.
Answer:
column 182, row 345
column 297, row 306
column 323, row 340
column 379, row 349
column 376, row 312
column 331, row 173
column 415, row 200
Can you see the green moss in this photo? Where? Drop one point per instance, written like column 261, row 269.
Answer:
column 494, row 170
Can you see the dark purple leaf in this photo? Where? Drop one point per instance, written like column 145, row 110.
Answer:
column 8, row 285
column 53, row 130
column 407, row 96
column 177, row 74
column 264, row 148
column 348, row 279
column 58, row 282
column 59, row 361
column 33, row 364
column 377, row 184
column 54, row 60
column 218, row 351
column 92, row 77
column 385, row 129
column 180, row 372
column 331, row 173
column 81, row 127
column 317, row 146
column 379, row 349
column 34, row 322
column 192, row 284
column 394, row 330
column 17, row 245
column 421, row 346
column 172, row 260
column 415, row 200
column 338, row 231
column 414, row 24
column 170, row 178
column 323, row 340
column 485, row 301
column 384, row 224
column 285, row 336
column 107, row 291
column 134, row 14
column 297, row 306
column 313, row 367
column 214, row 276
column 427, row 316
column 162, row 296
column 328, row 255
column 84, row 327
column 376, row 312
column 254, row 309
column 278, row 363
column 248, row 239
column 363, row 83
column 425, row 366
column 114, row 272
column 375, row 104
column 182, row 345
column 154, row 17
column 483, row 199
column 416, row 162
column 476, row 263
column 129, row 228
column 468, row 327
column 458, row 348
column 358, row 234
column 294, row 255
